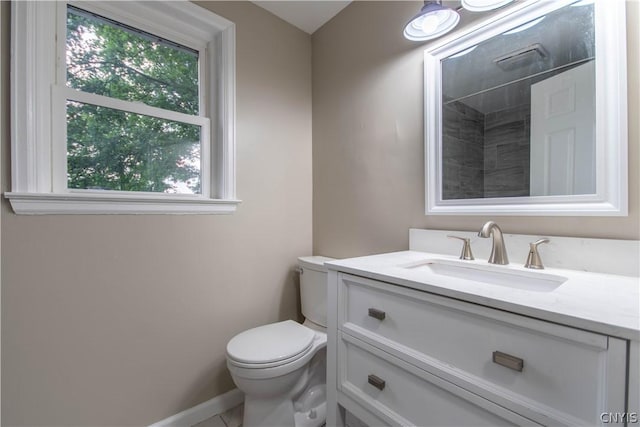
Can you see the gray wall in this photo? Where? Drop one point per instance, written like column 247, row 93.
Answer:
column 462, row 151
column 506, row 152
column 123, row 320
column 368, row 167
column 485, row 155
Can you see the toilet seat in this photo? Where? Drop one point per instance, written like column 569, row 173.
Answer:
column 270, row 345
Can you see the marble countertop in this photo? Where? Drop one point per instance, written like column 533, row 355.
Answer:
column 603, row 303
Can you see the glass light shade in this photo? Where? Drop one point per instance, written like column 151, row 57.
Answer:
column 483, row 5
column 432, row 21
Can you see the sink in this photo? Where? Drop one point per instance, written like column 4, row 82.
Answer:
column 490, row 274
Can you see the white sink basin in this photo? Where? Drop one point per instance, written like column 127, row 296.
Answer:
column 490, row 274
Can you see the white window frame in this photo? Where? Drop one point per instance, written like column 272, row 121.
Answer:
column 38, row 112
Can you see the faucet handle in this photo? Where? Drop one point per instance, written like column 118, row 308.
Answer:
column 466, row 247
column 533, row 259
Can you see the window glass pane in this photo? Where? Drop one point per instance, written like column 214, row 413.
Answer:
column 111, row 59
column 110, row 149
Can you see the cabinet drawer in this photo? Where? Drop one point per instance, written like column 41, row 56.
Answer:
column 537, row 368
column 388, row 387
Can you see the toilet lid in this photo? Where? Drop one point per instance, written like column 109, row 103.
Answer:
column 270, row 343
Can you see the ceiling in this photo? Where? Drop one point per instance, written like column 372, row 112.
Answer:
column 308, row 15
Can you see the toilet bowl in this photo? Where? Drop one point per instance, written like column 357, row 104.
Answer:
column 281, row 367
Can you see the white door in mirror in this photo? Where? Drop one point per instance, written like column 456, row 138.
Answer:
column 563, row 133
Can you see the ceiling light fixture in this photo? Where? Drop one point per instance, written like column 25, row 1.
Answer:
column 435, row 20
column 432, row 21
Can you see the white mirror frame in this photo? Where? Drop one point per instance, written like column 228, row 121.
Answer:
column 611, row 194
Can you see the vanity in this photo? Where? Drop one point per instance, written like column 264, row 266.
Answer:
column 421, row 338
column 516, row 123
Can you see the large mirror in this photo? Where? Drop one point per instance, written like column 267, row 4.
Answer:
column 526, row 113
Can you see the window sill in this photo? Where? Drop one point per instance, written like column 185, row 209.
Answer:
column 131, row 204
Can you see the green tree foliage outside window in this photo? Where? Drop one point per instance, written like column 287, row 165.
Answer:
column 112, row 149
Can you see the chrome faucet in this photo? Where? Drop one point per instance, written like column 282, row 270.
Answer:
column 498, row 250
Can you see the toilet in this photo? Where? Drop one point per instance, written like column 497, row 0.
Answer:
column 281, row 367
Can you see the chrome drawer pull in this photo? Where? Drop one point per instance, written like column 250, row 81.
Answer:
column 508, row 361
column 377, row 314
column 377, row 382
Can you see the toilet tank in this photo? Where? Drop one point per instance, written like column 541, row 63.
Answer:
column 313, row 288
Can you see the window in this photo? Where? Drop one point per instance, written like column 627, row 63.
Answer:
column 110, row 146
column 128, row 107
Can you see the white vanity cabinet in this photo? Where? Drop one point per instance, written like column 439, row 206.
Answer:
column 402, row 356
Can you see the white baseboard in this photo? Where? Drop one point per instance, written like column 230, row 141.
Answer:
column 203, row 411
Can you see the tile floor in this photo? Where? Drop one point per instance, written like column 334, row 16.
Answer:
column 231, row 418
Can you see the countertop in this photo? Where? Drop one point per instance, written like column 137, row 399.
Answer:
column 604, row 303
